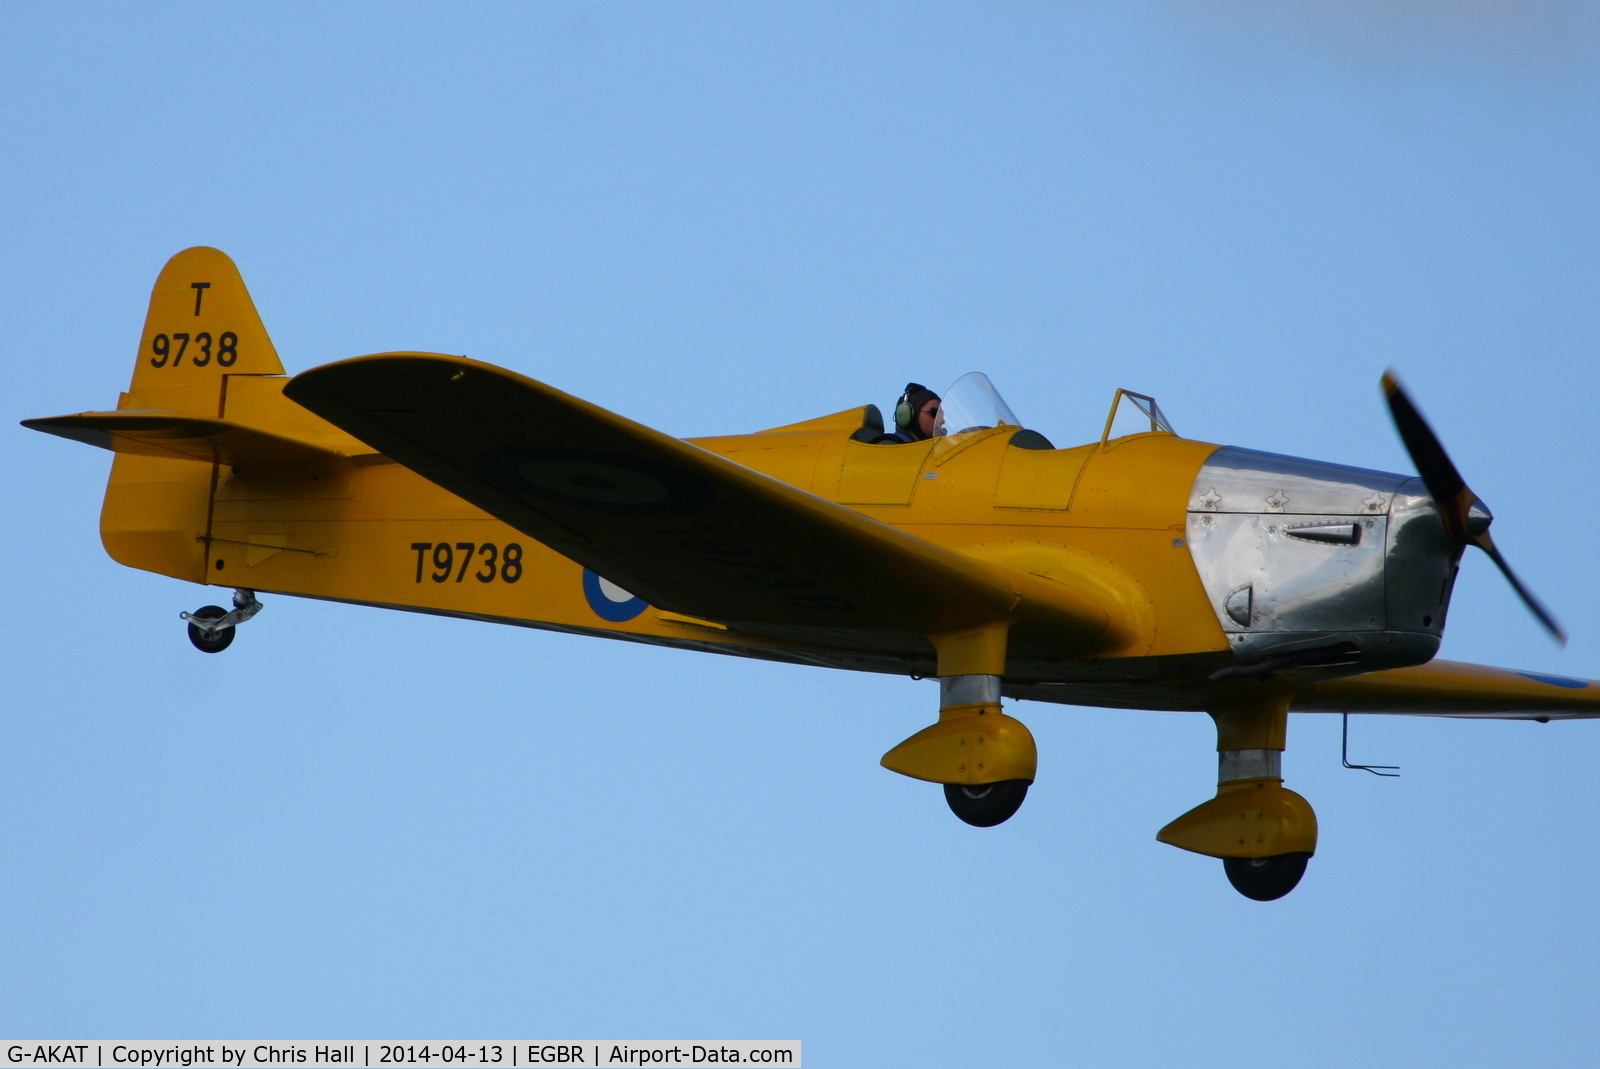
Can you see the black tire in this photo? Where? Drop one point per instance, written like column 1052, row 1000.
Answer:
column 210, row 641
column 986, row 804
column 1265, row 878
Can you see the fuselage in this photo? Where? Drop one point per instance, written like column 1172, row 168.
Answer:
column 1344, row 563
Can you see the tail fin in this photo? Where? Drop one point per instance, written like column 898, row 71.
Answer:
column 202, row 327
column 207, row 388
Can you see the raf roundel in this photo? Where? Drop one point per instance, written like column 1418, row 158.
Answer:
column 588, row 481
column 609, row 601
column 1556, row 681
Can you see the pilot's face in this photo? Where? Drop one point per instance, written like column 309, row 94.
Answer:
column 930, row 419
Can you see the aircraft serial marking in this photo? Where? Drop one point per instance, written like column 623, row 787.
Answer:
column 227, row 349
column 444, row 561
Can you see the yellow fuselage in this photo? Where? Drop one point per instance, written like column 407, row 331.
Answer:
column 370, row 531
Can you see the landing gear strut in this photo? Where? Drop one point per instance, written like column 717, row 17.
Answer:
column 211, row 626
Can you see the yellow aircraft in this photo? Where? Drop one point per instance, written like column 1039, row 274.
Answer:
column 1142, row 571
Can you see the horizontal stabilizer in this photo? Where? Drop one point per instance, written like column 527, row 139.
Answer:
column 1451, row 688
column 687, row 530
column 174, row 436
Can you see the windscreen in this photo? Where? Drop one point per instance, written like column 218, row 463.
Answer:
column 973, row 403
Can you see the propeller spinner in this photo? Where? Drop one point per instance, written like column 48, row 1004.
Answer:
column 1466, row 518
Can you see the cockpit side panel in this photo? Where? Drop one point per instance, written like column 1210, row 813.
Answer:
column 1040, row 478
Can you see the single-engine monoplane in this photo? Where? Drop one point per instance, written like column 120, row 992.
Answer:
column 1140, row 571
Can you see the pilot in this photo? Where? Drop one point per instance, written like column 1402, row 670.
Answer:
column 917, row 416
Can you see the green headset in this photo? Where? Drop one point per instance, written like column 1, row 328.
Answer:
column 911, row 401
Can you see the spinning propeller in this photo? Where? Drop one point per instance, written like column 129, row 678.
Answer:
column 1466, row 518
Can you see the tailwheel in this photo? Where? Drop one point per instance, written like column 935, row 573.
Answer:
column 211, row 626
column 984, row 805
column 1265, row 878
column 210, row 641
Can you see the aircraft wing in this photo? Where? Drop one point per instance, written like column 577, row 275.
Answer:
column 1451, row 688
column 683, row 528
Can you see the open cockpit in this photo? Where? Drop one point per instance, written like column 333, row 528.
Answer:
column 973, row 404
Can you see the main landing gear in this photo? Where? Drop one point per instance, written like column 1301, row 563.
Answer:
column 984, row 759
column 1263, row 832
column 211, row 626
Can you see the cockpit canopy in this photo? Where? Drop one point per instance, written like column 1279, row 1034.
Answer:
column 973, row 404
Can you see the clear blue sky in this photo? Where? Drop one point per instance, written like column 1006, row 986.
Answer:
column 721, row 217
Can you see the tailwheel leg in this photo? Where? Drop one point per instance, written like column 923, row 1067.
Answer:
column 211, row 627
column 1263, row 832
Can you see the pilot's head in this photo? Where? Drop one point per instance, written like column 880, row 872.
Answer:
column 917, row 415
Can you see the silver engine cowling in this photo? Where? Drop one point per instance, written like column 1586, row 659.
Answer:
column 1320, row 566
